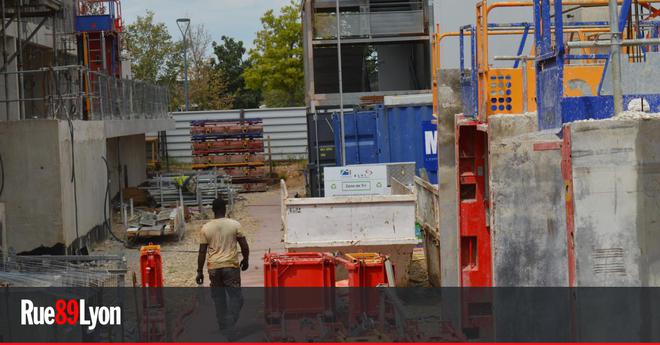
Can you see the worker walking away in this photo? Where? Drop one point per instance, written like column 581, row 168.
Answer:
column 218, row 246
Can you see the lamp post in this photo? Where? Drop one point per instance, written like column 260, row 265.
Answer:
column 184, row 27
column 342, row 130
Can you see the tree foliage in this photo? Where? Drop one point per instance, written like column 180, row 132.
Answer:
column 157, row 58
column 276, row 61
column 152, row 51
column 229, row 60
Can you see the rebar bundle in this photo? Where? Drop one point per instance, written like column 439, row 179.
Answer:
column 63, row 271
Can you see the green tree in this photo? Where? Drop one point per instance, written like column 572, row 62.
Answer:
column 229, row 59
column 208, row 88
column 276, row 61
column 152, row 50
column 156, row 58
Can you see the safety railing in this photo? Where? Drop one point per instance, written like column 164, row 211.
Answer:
column 74, row 92
column 365, row 24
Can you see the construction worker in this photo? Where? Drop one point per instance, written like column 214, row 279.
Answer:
column 218, row 240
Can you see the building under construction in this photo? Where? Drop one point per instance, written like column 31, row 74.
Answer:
column 72, row 122
column 385, row 50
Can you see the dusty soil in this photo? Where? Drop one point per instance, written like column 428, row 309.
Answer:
column 417, row 273
column 293, row 174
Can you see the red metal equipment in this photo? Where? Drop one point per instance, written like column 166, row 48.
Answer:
column 299, row 270
column 99, row 25
column 151, row 266
column 365, row 269
column 153, row 322
column 475, row 241
column 305, row 309
column 474, row 230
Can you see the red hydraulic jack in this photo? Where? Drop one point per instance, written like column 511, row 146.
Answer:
column 474, row 231
column 153, row 326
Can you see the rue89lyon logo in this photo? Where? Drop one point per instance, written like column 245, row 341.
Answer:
column 69, row 312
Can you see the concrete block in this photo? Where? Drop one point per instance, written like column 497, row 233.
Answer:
column 39, row 191
column 527, row 216
column 450, row 104
column 528, row 219
column 616, row 188
column 32, row 194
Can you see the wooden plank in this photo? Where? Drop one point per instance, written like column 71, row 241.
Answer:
column 547, row 146
column 399, row 188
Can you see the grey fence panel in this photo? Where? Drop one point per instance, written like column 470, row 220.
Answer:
column 286, row 127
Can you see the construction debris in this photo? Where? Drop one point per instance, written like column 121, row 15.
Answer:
column 163, row 222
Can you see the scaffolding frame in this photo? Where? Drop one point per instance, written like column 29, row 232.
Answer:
column 17, row 11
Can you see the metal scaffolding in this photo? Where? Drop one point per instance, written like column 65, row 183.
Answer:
column 74, row 92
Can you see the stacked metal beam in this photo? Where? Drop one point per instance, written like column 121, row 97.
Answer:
column 235, row 147
column 167, row 190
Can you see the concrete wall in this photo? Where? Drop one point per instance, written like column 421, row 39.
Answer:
column 616, row 186
column 450, row 104
column 39, row 163
column 528, row 218
column 32, row 190
column 129, row 153
column 83, row 215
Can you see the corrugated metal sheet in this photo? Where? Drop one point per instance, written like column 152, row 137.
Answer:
column 287, row 128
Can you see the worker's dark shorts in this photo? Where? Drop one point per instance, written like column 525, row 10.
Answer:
column 225, row 277
column 227, row 295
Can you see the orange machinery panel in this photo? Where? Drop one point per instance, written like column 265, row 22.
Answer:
column 503, row 92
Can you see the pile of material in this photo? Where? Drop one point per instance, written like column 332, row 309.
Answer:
column 193, row 188
column 163, row 222
column 235, row 147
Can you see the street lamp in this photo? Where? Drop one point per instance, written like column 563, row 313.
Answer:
column 342, row 130
column 184, row 27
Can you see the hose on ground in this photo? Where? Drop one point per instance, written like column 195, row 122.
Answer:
column 106, row 220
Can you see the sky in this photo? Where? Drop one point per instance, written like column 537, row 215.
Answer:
column 234, row 18
column 240, row 19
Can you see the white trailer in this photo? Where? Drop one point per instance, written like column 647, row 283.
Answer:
column 358, row 224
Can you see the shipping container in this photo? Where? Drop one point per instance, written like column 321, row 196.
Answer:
column 321, row 148
column 386, row 134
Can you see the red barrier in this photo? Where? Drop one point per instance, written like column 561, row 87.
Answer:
column 299, row 314
column 153, row 322
column 299, row 270
column 365, row 269
column 151, row 266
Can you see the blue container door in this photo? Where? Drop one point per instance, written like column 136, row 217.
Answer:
column 407, row 134
column 360, row 136
column 390, row 135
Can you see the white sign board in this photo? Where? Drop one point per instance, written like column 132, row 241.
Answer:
column 355, row 180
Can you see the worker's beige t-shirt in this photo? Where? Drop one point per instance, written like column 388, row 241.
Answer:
column 221, row 236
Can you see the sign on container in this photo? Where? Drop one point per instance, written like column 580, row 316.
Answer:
column 355, row 180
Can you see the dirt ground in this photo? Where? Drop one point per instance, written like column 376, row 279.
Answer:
column 179, row 257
